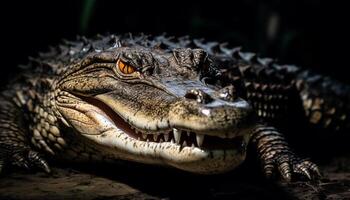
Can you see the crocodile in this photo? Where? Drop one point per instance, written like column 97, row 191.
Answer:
column 177, row 102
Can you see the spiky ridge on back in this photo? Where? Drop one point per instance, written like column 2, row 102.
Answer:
column 71, row 51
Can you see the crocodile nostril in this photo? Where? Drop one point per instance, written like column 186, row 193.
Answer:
column 198, row 95
column 228, row 93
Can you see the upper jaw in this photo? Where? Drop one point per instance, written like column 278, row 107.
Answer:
column 218, row 118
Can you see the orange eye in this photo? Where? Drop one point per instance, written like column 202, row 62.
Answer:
column 125, row 68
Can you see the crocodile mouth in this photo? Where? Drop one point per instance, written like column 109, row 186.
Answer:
column 173, row 135
column 105, row 122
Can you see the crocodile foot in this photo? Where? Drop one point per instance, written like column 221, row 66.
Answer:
column 276, row 155
column 26, row 159
column 289, row 165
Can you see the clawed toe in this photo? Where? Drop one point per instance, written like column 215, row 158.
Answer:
column 30, row 159
column 307, row 168
column 37, row 161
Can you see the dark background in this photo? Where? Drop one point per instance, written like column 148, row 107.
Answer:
column 288, row 30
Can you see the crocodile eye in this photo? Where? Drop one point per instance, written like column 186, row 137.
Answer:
column 125, row 68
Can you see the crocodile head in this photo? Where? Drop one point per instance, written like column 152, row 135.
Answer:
column 153, row 105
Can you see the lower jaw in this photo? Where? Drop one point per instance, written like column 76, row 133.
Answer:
column 192, row 159
column 216, row 161
column 209, row 161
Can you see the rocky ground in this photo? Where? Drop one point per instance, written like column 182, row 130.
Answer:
column 142, row 182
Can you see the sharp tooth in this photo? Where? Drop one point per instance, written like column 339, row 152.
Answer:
column 144, row 136
column 161, row 140
column 184, row 144
column 188, row 134
column 192, row 145
column 177, row 135
column 199, row 139
column 166, row 137
column 155, row 137
column 172, row 140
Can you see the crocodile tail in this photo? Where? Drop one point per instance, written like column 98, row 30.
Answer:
column 325, row 101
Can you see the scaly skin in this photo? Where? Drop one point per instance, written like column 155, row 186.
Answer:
column 154, row 99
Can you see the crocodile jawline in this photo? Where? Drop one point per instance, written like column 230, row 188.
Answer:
column 165, row 135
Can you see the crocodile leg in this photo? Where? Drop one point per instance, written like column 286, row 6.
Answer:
column 275, row 153
column 14, row 144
